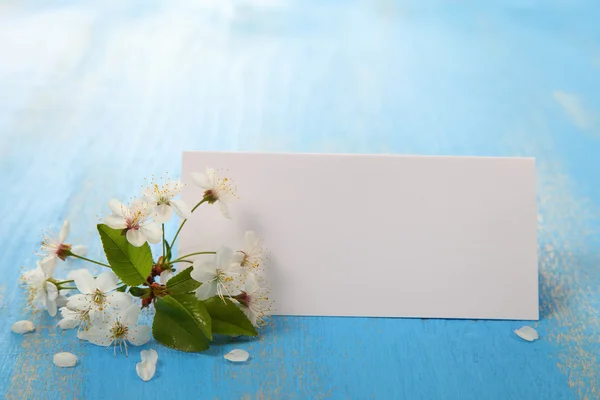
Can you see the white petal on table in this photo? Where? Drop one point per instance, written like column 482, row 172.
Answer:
column 65, row 360
column 145, row 370
column 237, row 355
column 527, row 333
column 147, row 367
column 21, row 327
column 150, row 356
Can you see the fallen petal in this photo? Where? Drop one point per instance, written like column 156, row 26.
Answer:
column 527, row 333
column 65, row 360
column 237, row 355
column 150, row 356
column 22, row 327
column 145, row 370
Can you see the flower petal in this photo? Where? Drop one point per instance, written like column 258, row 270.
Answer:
column 162, row 213
column 527, row 333
column 150, row 356
column 206, row 290
column 145, row 370
column 173, row 188
column 152, row 231
column 224, row 209
column 165, row 276
column 237, row 258
column 201, row 180
column 135, row 237
column 21, row 327
column 149, row 195
column 65, row 360
column 203, row 271
column 115, row 221
column 117, row 207
column 99, row 337
column 61, row 300
column 79, row 249
column 224, row 257
column 51, row 307
column 119, row 300
column 106, row 281
column 252, row 284
column 131, row 314
column 64, row 232
column 51, row 291
column 82, row 335
column 47, row 265
column 67, row 323
column 237, row 355
column 138, row 335
column 83, row 280
column 78, row 302
column 180, row 208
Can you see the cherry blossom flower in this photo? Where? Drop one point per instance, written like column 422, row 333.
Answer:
column 250, row 256
column 215, row 275
column 54, row 246
column 43, row 292
column 161, row 199
column 254, row 300
column 74, row 318
column 216, row 189
column 134, row 221
column 120, row 330
column 98, row 295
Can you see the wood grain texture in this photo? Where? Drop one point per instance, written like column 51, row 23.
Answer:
column 95, row 97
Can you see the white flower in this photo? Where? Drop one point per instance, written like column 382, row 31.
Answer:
column 98, row 296
column 135, row 221
column 21, row 327
column 147, row 367
column 120, row 330
column 216, row 189
column 43, row 292
column 64, row 360
column 251, row 255
column 54, row 246
column 237, row 355
column 161, row 199
column 74, row 318
column 215, row 275
column 254, row 300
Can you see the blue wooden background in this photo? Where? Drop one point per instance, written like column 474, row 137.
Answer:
column 95, row 96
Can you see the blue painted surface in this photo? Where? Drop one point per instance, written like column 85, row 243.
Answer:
column 95, row 97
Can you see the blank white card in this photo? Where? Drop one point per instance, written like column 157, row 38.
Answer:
column 380, row 235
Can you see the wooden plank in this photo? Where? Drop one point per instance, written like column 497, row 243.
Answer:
column 93, row 98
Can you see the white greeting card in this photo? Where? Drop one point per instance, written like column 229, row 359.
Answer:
column 380, row 235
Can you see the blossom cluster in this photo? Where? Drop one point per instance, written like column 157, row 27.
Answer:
column 105, row 308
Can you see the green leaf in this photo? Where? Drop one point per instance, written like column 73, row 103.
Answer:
column 228, row 319
column 168, row 253
column 139, row 292
column 132, row 264
column 182, row 322
column 182, row 283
